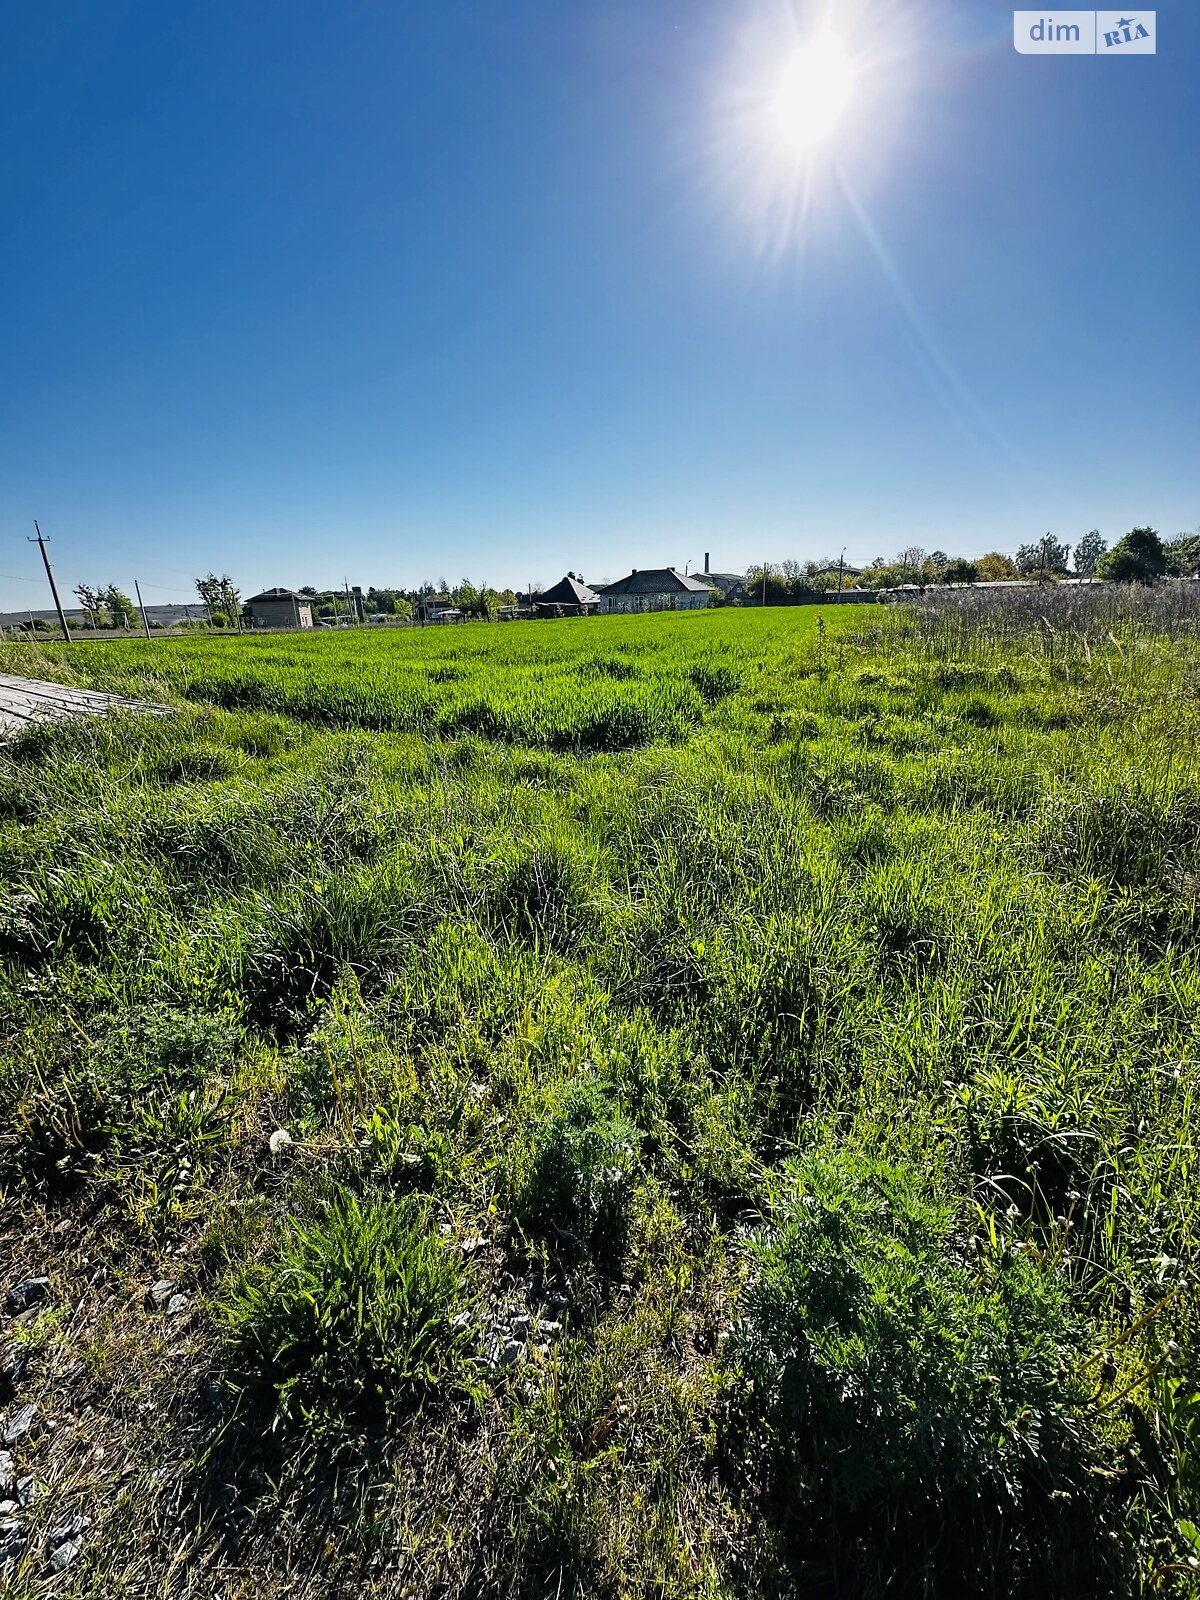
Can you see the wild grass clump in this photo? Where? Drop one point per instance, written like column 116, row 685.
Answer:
column 302, row 942
column 1135, row 835
column 1035, row 1141
column 915, row 1382
column 364, row 1315
column 543, row 893
column 132, row 1083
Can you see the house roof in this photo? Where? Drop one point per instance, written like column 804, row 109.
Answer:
column 656, row 580
column 568, row 592
column 723, row 580
column 280, row 594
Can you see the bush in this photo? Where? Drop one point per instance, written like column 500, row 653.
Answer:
column 358, row 1322
column 572, row 1186
column 918, row 1415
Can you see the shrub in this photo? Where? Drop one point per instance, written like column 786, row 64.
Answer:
column 918, row 1416
column 358, row 1321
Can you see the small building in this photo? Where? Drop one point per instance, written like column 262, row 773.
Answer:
column 569, row 597
column 439, row 608
column 731, row 586
column 655, row 589
column 279, row 608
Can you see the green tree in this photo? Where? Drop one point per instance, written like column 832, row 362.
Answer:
column 91, row 600
column 957, row 569
column 776, row 585
column 466, row 598
column 222, row 599
column 995, row 568
column 883, row 575
column 1046, row 556
column 120, row 607
column 1183, row 555
column 1137, row 558
column 1088, row 552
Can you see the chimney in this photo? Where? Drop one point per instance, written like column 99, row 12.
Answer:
column 706, row 563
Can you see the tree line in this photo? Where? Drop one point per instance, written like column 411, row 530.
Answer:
column 1140, row 556
column 108, row 606
column 473, row 600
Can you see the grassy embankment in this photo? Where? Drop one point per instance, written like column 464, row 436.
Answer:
column 740, row 1073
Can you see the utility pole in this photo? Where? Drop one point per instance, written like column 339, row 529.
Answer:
column 137, row 589
column 764, row 594
column 841, row 566
column 62, row 616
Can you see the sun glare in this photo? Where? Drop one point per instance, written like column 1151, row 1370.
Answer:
column 812, row 94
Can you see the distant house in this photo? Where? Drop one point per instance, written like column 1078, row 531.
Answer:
column 655, row 589
column 731, row 586
column 279, row 608
column 438, row 608
column 570, row 597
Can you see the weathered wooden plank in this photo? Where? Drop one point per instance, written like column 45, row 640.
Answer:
column 26, row 700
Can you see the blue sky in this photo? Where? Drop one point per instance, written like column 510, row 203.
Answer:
column 391, row 292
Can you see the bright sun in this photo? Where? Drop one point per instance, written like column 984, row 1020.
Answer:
column 813, row 93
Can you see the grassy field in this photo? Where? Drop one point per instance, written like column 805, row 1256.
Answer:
column 676, row 1106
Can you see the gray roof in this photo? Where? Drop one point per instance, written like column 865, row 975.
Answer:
column 657, row 580
column 568, row 592
column 280, row 594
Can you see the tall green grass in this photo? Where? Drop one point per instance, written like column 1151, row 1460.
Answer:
column 740, row 1078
